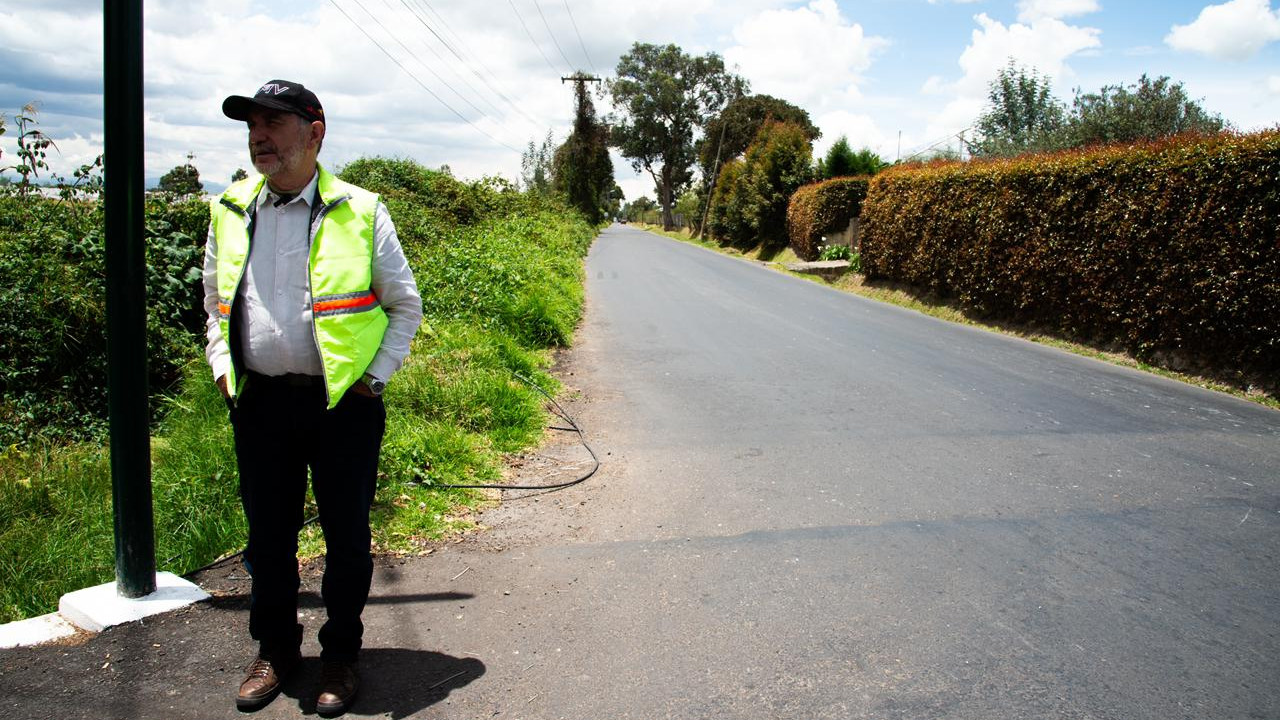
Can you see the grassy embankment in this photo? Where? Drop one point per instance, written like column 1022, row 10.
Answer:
column 932, row 306
column 501, row 279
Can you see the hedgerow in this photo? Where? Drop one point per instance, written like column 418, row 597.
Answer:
column 823, row 208
column 1168, row 250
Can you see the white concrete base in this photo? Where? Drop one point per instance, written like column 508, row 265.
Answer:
column 97, row 608
column 36, row 630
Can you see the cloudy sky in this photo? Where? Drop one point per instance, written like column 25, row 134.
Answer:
column 469, row 83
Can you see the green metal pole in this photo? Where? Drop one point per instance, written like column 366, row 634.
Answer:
column 126, row 300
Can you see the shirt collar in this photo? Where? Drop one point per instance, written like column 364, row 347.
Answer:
column 308, row 193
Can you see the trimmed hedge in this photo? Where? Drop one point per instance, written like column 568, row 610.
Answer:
column 821, row 209
column 1168, row 249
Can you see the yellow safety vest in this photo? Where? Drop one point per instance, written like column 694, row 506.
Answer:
column 347, row 320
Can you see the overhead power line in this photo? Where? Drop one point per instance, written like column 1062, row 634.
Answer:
column 443, row 61
column 580, row 43
column 944, row 139
column 553, row 36
column 469, row 62
column 531, row 39
column 414, row 77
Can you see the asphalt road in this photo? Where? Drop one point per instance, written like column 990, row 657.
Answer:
column 812, row 506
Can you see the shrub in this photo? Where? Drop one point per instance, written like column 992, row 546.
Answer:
column 728, row 219
column 1167, row 249
column 52, row 297
column 823, row 208
column 835, row 252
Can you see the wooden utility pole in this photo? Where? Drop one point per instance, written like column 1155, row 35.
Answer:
column 580, row 92
column 579, row 78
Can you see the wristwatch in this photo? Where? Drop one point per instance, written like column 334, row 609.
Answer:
column 375, row 385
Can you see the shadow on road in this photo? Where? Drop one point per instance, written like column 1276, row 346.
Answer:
column 395, row 683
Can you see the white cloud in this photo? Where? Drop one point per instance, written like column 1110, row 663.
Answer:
column 1236, row 30
column 1273, row 84
column 1030, row 11
column 860, row 129
column 810, row 56
column 1044, row 45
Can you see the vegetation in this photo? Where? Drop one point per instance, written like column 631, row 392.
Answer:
column 1023, row 116
column 535, row 166
column 661, row 97
column 749, row 205
column 182, row 180
column 821, row 209
column 583, row 172
column 500, row 273
column 842, row 161
column 728, row 135
column 1149, row 110
column 1165, row 250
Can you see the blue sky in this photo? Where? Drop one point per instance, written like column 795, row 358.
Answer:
column 881, row 72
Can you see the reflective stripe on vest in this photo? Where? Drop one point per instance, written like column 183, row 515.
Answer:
column 345, row 303
column 347, row 320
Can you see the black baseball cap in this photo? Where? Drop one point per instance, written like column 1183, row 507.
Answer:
column 278, row 95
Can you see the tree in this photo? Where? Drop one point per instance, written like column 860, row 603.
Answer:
column 1149, row 110
column 1022, row 115
column 239, row 175
column 636, row 209
column 868, row 162
column 182, row 180
column 776, row 165
column 616, row 196
column 839, row 161
column 749, row 204
column 535, row 166
column 583, row 172
column 730, row 133
column 661, row 97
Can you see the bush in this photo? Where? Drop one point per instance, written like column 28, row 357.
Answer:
column 835, row 252
column 823, row 208
column 1168, row 249
column 53, row 379
column 752, row 195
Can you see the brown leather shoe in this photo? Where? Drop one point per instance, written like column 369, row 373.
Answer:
column 338, row 687
column 263, row 680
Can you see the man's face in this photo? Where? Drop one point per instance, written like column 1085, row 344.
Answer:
column 278, row 142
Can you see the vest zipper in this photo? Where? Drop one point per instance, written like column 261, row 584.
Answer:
column 249, row 219
column 317, row 217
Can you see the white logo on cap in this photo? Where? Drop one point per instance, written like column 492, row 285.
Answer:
column 273, row 88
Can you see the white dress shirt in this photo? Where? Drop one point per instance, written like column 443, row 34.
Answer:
column 274, row 298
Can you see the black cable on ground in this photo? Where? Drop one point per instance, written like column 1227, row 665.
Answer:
column 560, row 412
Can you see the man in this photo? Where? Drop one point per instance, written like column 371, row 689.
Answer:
column 311, row 309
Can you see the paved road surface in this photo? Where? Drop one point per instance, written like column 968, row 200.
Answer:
column 812, row 506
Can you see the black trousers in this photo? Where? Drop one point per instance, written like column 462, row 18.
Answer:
column 282, row 429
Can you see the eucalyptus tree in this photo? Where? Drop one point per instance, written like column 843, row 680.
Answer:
column 662, row 99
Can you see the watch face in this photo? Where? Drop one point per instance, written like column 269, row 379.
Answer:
column 377, row 386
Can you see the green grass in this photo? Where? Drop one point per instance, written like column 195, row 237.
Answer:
column 55, row 525
column 499, row 293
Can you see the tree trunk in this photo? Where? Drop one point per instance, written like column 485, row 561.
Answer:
column 664, row 194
